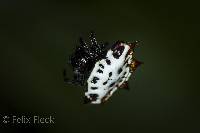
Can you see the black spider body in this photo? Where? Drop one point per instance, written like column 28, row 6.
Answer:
column 84, row 59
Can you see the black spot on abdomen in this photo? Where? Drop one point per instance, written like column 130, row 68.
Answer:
column 119, row 70
column 110, row 74
column 108, row 61
column 99, row 71
column 111, row 85
column 124, row 73
column 101, row 66
column 94, row 80
column 104, row 83
column 94, row 88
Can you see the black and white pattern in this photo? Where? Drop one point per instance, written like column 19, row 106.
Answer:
column 109, row 74
column 102, row 69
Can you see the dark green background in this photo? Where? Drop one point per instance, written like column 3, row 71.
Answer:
column 38, row 37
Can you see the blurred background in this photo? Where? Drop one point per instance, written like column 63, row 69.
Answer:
column 38, row 36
